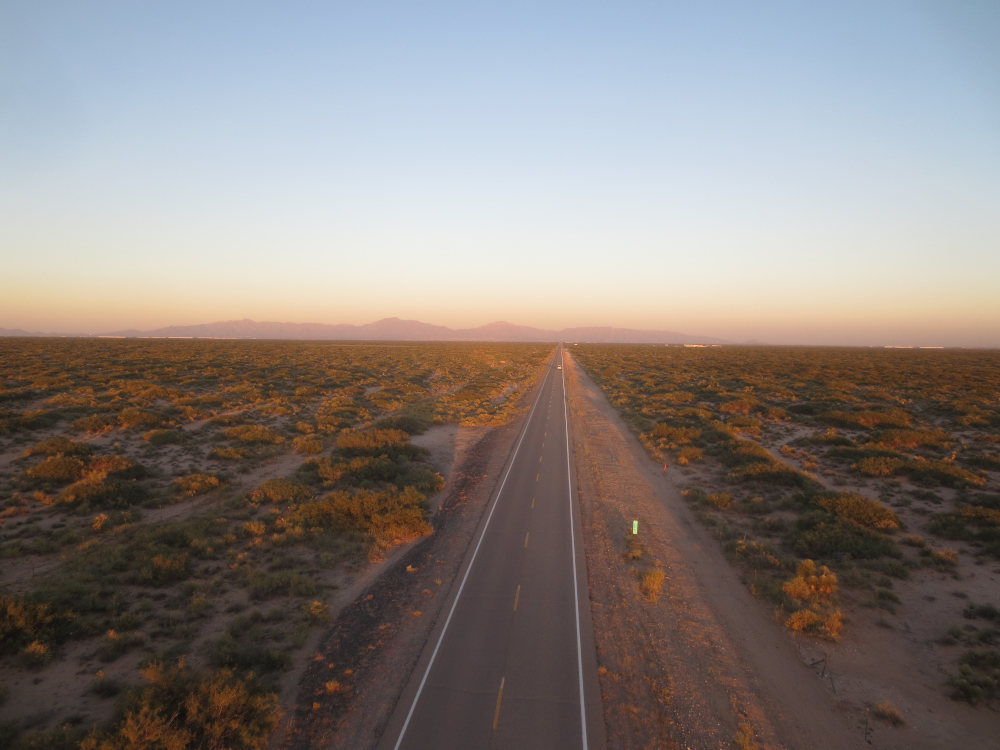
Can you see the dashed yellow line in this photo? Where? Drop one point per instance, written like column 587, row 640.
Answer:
column 532, row 502
column 526, row 539
column 517, row 595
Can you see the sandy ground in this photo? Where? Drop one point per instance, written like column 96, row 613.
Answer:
column 724, row 658
column 58, row 691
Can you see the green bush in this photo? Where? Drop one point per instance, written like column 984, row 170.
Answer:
column 226, row 651
column 104, row 494
column 978, row 676
column 985, row 611
column 279, row 583
column 943, row 473
column 823, row 535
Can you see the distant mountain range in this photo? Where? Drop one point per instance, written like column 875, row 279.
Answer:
column 395, row 329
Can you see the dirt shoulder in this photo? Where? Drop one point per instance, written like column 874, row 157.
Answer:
column 702, row 665
column 360, row 666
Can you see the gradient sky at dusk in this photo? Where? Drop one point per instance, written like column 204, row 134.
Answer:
column 795, row 172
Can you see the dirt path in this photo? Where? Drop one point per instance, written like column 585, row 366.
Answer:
column 702, row 665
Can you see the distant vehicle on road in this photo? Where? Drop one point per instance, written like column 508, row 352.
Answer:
column 558, row 367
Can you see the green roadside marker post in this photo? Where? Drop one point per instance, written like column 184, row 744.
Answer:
column 635, row 527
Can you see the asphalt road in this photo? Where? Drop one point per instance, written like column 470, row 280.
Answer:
column 511, row 662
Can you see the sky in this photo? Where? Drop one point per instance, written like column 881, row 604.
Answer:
column 788, row 172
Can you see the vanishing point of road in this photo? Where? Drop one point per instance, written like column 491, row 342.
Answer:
column 511, row 663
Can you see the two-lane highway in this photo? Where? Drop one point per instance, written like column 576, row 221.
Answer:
column 511, row 663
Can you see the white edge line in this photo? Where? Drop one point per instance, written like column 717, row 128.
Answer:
column 572, row 536
column 475, row 552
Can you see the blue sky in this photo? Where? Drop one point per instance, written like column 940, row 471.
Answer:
column 789, row 172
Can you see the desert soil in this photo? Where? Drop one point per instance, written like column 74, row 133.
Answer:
column 359, row 668
column 706, row 663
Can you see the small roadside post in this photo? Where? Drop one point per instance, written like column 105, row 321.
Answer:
column 635, row 528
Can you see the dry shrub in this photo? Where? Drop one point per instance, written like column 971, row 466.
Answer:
column 227, row 454
column 814, row 591
column 163, row 570
column 131, row 418
column 879, row 466
column 652, row 582
column 913, row 438
column 280, row 491
column 164, row 437
column 255, row 528
column 678, row 435
column 870, row 514
column 196, row 484
column 386, row 517
column 756, row 556
column 868, row 419
column 371, row 442
column 180, row 708
column 96, row 491
column 744, row 738
column 95, row 423
column 689, row 453
column 36, row 654
column 742, row 406
column 116, row 466
column 59, row 445
column 253, row 433
column 57, row 470
column 943, row 473
column 307, row 445
column 811, row 585
column 721, row 500
column 886, row 711
column 943, row 559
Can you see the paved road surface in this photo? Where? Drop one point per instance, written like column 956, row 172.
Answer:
column 511, row 662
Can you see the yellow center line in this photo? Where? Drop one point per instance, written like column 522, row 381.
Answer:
column 496, row 716
column 517, row 596
column 536, row 477
column 526, row 539
column 532, row 502
column 539, row 459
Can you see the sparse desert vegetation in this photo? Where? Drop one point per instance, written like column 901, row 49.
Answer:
column 175, row 517
column 830, row 476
